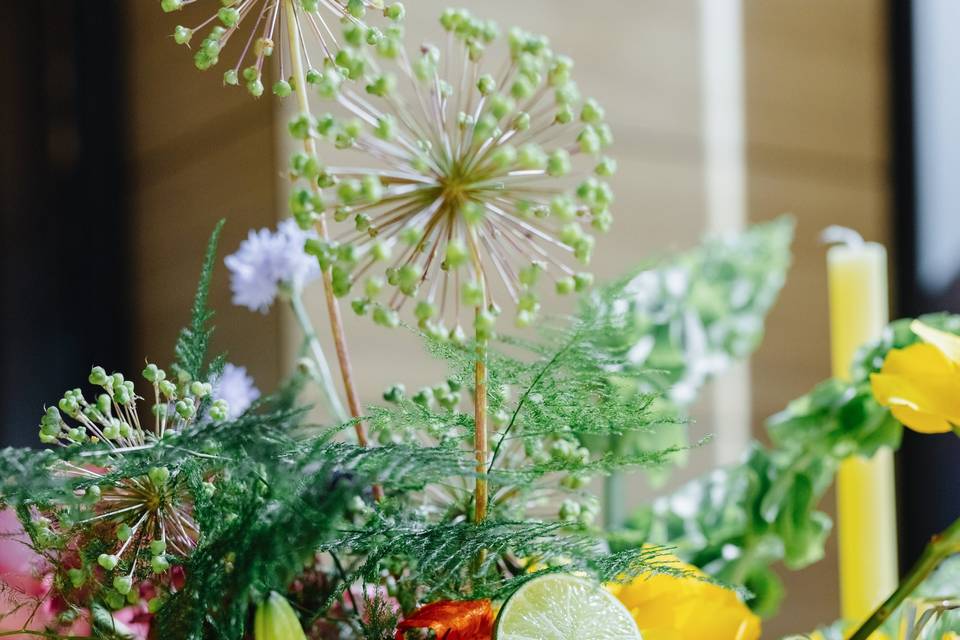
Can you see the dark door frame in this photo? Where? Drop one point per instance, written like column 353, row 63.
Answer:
column 928, row 473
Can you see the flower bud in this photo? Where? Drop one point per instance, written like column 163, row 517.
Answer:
column 123, row 584
column 276, row 620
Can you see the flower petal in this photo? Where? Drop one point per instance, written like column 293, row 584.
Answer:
column 938, row 395
column 920, row 422
column 452, row 620
column 917, row 359
column 948, row 343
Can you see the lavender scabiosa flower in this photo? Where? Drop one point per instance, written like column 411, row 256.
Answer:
column 261, row 22
column 491, row 174
column 145, row 519
column 235, row 387
column 267, row 262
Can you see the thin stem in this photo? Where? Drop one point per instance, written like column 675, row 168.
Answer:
column 613, row 491
column 480, row 440
column 333, row 307
column 324, row 377
column 937, row 550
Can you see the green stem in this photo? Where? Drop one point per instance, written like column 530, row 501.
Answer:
column 613, row 492
column 613, row 516
column 937, row 550
column 323, row 377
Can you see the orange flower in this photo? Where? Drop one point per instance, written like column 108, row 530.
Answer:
column 921, row 384
column 668, row 607
column 452, row 620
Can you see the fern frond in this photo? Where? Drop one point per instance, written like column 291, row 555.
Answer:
column 194, row 339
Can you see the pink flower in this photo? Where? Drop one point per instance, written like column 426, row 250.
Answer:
column 136, row 619
column 20, row 567
column 23, row 589
column 27, row 602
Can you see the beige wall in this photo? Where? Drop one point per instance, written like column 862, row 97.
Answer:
column 816, row 146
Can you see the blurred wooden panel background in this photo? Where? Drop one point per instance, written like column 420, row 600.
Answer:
column 815, row 81
column 199, row 153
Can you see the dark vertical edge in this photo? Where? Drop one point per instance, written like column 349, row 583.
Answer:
column 902, row 209
column 902, row 167
column 928, row 476
column 65, row 264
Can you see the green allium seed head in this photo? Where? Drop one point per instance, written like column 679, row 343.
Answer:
column 241, row 28
column 489, row 191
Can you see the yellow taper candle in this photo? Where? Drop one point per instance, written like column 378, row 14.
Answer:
column 866, row 499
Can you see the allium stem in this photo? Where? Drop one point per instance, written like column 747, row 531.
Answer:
column 333, row 307
column 480, row 439
column 324, row 377
column 940, row 547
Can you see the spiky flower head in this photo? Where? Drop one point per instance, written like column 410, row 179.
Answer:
column 264, row 30
column 491, row 171
column 124, row 529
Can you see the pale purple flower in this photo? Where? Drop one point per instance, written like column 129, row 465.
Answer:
column 235, row 386
column 267, row 260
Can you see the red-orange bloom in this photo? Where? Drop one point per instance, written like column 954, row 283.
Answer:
column 452, row 620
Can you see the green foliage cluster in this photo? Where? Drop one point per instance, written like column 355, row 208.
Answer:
column 736, row 522
column 687, row 317
column 278, row 504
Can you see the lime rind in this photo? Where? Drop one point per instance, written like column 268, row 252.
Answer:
column 561, row 606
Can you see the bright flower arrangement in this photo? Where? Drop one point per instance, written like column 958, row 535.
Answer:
column 462, row 511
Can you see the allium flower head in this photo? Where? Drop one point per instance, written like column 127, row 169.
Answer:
column 263, row 31
column 143, row 520
column 491, row 172
column 266, row 262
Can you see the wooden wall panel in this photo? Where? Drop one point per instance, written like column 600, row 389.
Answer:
column 199, row 153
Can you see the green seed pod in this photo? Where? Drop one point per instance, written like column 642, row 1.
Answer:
column 169, row 6
column 159, row 475
column 182, row 35
column 276, row 620
column 159, row 564
column 123, row 584
column 282, row 88
column 395, row 12
column 107, row 561
column 98, row 376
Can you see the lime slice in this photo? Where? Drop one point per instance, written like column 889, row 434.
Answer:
column 560, row 606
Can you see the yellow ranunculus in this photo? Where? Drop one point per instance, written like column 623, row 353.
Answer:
column 921, row 384
column 684, row 608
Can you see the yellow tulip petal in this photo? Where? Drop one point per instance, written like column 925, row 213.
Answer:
column 920, row 422
column 948, row 343
column 917, row 359
column 937, row 395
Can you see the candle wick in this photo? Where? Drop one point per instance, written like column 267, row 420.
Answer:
column 835, row 234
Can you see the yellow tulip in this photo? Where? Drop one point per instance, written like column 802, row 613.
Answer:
column 668, row 607
column 921, row 384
